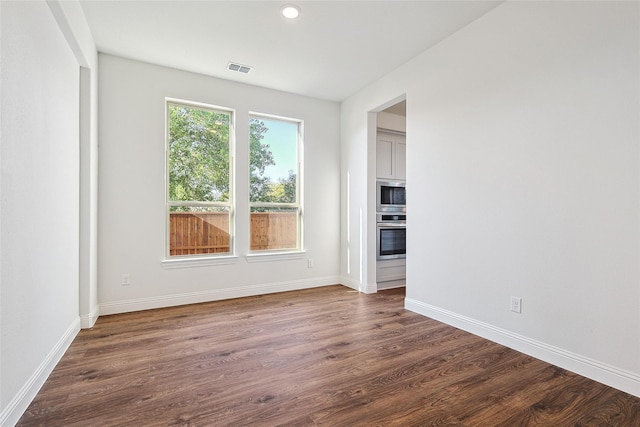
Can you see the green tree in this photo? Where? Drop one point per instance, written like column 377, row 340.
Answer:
column 289, row 187
column 260, row 156
column 284, row 191
column 199, row 156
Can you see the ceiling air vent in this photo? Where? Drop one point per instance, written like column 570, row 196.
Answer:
column 238, row 67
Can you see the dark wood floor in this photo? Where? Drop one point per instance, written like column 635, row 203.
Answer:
column 320, row 357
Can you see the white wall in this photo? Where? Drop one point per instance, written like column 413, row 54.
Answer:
column 39, row 193
column 132, row 189
column 523, row 177
column 73, row 24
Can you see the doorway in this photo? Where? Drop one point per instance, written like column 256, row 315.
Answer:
column 390, row 154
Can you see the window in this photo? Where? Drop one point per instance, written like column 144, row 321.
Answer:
column 274, row 192
column 199, row 193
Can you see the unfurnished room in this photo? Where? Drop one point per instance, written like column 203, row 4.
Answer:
column 319, row 213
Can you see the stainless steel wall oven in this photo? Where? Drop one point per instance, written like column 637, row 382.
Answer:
column 391, row 235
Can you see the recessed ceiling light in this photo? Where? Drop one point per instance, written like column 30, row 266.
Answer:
column 290, row 11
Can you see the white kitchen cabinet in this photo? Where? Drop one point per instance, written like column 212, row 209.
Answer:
column 391, row 156
column 401, row 158
column 391, row 273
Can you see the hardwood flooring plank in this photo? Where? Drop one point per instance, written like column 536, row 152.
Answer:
column 317, row 357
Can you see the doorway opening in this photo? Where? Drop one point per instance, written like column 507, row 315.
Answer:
column 390, row 173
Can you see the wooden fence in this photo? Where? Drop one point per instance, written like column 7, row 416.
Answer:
column 273, row 230
column 208, row 232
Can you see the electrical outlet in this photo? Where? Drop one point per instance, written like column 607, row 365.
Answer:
column 516, row 304
column 309, row 263
column 126, row 280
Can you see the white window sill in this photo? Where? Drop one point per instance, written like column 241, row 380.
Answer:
column 198, row 261
column 275, row 256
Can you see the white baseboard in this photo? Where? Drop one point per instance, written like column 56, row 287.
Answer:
column 20, row 402
column 88, row 320
column 350, row 283
column 213, row 295
column 371, row 288
column 620, row 379
column 368, row 288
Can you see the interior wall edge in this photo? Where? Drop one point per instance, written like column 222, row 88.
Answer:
column 66, row 27
column 89, row 319
column 1, row 401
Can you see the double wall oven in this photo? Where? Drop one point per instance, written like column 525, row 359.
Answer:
column 391, row 220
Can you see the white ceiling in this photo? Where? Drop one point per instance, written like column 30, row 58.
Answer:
column 330, row 52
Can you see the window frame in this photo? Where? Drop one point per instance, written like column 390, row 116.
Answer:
column 299, row 249
column 174, row 261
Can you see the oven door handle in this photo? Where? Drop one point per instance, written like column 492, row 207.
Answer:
column 391, row 224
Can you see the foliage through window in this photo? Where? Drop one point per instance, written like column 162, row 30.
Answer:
column 199, row 141
column 274, row 192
